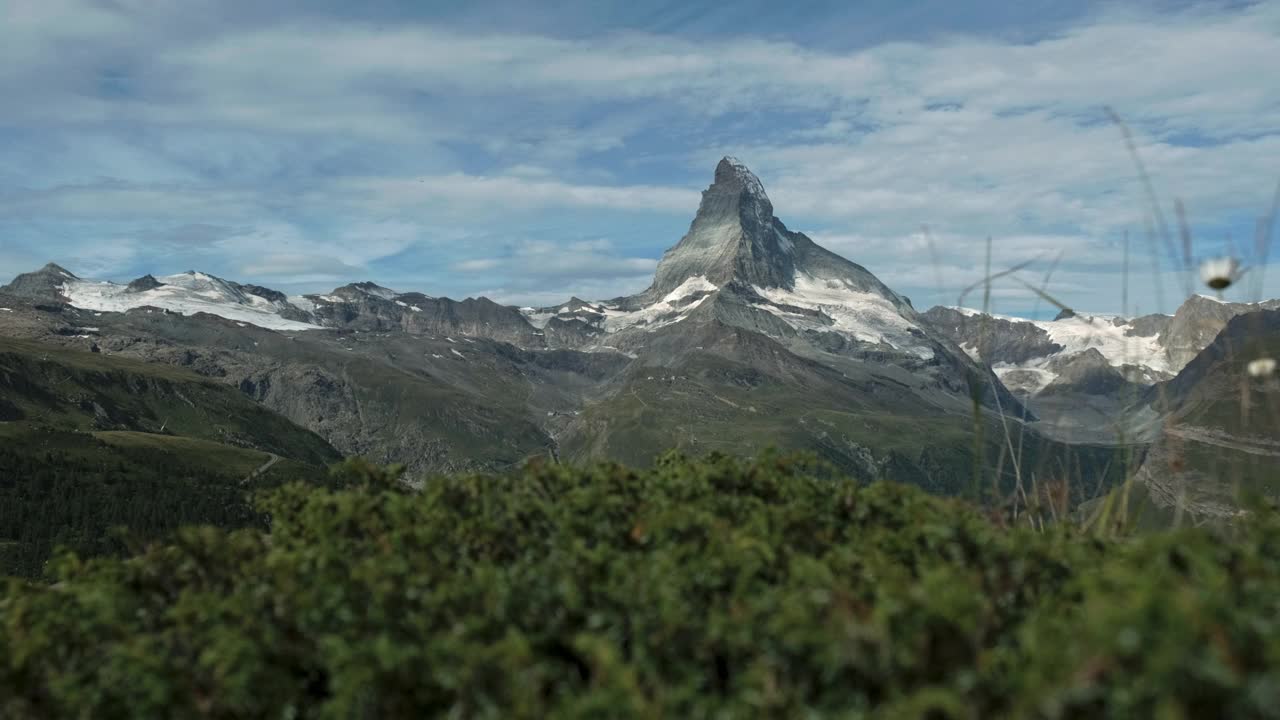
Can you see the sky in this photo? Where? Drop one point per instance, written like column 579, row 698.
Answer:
column 529, row 153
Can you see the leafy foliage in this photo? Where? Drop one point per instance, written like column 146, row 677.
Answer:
column 693, row 589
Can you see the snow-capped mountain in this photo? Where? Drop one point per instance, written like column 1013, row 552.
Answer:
column 359, row 306
column 740, row 264
column 186, row 293
column 750, row 335
column 1031, row 356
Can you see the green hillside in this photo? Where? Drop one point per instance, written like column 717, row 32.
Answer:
column 66, row 389
column 91, row 443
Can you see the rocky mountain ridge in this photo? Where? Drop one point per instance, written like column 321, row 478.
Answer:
column 1032, row 356
column 750, row 335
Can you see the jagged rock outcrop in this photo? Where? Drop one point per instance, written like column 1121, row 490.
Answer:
column 994, row 340
column 1088, row 373
column 372, row 308
column 1197, row 322
column 143, row 284
column 43, row 285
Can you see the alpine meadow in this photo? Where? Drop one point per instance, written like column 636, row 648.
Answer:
column 953, row 393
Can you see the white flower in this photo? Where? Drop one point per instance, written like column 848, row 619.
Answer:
column 1218, row 273
column 1262, row 367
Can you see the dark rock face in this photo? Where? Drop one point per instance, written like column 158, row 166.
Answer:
column 1220, row 434
column 996, row 340
column 262, row 292
column 733, row 237
column 1234, row 345
column 1148, row 325
column 370, row 308
column 44, row 285
column 571, row 332
column 283, row 307
column 10, row 412
column 1087, row 373
column 143, row 284
column 1198, row 322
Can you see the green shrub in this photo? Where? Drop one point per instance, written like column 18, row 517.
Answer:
column 696, row 589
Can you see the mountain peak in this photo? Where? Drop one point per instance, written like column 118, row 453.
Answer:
column 733, row 176
column 143, row 284
column 44, row 284
column 56, row 269
column 734, row 236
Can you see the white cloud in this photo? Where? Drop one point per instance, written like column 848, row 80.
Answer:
column 540, row 262
column 262, row 126
column 506, row 193
column 298, row 267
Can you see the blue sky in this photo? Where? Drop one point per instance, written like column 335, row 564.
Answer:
column 529, row 153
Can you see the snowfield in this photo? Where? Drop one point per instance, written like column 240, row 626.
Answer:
column 863, row 316
column 660, row 313
column 186, row 293
column 1081, row 332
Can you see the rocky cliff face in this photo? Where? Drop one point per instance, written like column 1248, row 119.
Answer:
column 733, row 238
column 1219, row 437
column 1195, row 325
column 369, row 308
column 43, row 285
column 993, row 340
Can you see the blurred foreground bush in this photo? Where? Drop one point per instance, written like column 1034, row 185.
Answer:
column 695, row 589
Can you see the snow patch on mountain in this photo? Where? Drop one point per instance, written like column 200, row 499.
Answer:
column 864, row 316
column 674, row 307
column 303, row 303
column 537, row 318
column 1079, row 333
column 1027, row 380
column 1109, row 334
column 186, row 293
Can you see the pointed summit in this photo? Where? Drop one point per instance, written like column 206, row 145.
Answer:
column 733, row 177
column 143, row 284
column 734, row 237
column 740, row 264
column 56, row 269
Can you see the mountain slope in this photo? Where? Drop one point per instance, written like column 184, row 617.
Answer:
column 1221, row 436
column 1219, row 432
column 70, row 390
column 89, row 443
